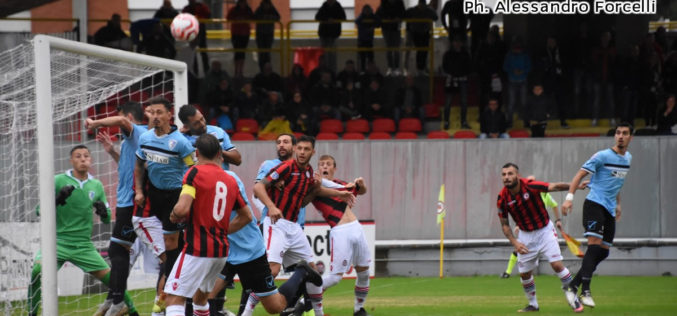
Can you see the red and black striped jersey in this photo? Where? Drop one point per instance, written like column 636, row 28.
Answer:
column 332, row 208
column 297, row 183
column 526, row 207
column 215, row 194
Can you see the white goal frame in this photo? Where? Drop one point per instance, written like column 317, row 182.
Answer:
column 42, row 45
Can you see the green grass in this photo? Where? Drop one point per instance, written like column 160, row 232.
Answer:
column 484, row 295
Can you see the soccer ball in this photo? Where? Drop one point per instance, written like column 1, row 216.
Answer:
column 185, row 27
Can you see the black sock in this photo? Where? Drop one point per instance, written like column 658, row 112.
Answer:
column 216, row 304
column 119, row 258
column 172, row 255
column 290, row 289
column 189, row 306
column 587, row 267
column 602, row 253
column 243, row 301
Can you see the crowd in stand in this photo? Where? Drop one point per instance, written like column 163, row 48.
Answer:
column 591, row 79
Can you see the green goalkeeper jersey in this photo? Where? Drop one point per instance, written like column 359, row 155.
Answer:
column 74, row 219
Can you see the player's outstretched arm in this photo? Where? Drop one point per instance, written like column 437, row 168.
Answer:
column 182, row 207
column 232, row 156
column 345, row 196
column 104, row 138
column 360, row 186
column 243, row 217
column 575, row 183
column 124, row 123
column 519, row 247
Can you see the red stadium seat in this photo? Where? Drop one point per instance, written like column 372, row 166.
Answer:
column 297, row 135
column 406, row 135
column 410, row 124
column 379, row 135
column 431, row 111
column 247, row 125
column 267, row 136
column 465, row 135
column 331, row 126
column 438, row 135
column 519, row 133
column 383, row 125
column 357, row 126
column 242, row 136
column 327, row 136
column 353, row 136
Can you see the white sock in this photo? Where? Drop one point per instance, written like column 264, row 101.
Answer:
column 251, row 303
column 565, row 276
column 530, row 290
column 330, row 280
column 175, row 310
column 201, row 310
column 361, row 289
column 315, row 294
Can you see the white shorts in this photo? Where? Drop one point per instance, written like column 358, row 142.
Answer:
column 286, row 243
column 348, row 247
column 540, row 241
column 151, row 263
column 149, row 230
column 192, row 273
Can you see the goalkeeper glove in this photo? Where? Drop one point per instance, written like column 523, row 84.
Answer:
column 100, row 209
column 64, row 193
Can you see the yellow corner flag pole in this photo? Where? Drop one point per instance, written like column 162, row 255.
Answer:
column 441, row 212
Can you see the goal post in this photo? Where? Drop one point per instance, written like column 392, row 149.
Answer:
column 44, row 102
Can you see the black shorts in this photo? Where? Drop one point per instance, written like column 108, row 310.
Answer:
column 162, row 204
column 123, row 230
column 598, row 222
column 254, row 275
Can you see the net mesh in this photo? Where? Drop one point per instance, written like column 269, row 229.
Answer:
column 82, row 86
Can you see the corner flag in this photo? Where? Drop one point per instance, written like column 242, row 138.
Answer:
column 441, row 211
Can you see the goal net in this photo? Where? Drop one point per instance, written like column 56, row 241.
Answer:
column 86, row 81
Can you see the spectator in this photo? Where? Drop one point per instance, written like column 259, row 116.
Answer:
column 372, row 73
column 456, row 64
column 582, row 53
column 296, row 81
column 330, row 30
column 537, row 111
column 410, row 102
column 603, row 60
column 112, row 35
column 157, row 41
column 248, row 102
column 277, row 125
column 420, row 32
column 220, row 101
column 325, row 111
column 375, row 102
column 215, row 74
column 316, row 74
column 630, row 82
column 267, row 80
column 265, row 31
column 667, row 117
column 489, row 60
column 517, row 66
column 492, row 121
column 661, row 38
column 455, row 21
column 553, row 78
column 324, row 92
column 366, row 23
column 166, row 11
column 272, row 104
column 350, row 102
column 240, row 32
column 650, row 85
column 300, row 114
column 670, row 70
column 391, row 13
column 200, row 11
column 348, row 73
column 479, row 27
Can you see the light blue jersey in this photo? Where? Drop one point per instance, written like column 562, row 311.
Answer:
column 130, row 144
column 166, row 157
column 263, row 172
column 220, row 134
column 247, row 243
column 608, row 170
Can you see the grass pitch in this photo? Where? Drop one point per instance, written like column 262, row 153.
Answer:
column 483, row 295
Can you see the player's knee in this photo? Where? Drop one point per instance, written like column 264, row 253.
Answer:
column 525, row 275
column 274, row 304
column 331, row 279
column 274, row 269
column 557, row 266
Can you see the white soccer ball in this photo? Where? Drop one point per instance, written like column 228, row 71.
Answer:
column 185, row 27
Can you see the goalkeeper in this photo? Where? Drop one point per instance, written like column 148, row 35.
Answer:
column 77, row 194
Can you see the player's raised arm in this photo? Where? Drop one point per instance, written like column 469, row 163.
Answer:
column 558, row 186
column 104, row 138
column 124, row 123
column 345, row 196
column 575, row 183
column 360, row 186
column 232, row 156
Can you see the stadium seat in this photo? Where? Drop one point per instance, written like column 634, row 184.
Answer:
column 409, row 124
column 383, row 125
column 327, row 136
column 353, row 136
column 438, row 135
column 357, row 126
column 519, row 133
column 465, row 134
column 431, row 111
column 297, row 135
column 243, row 136
column 379, row 135
column 406, row 135
column 267, row 136
column 331, row 126
column 246, row 125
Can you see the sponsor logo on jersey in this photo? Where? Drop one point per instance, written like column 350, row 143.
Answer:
column 157, row 158
column 619, row 174
column 526, row 195
column 345, row 262
column 171, row 144
column 274, row 175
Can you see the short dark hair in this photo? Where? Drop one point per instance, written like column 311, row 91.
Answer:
column 292, row 136
column 510, row 164
column 81, row 146
column 625, row 124
column 161, row 100
column 208, row 146
column 133, row 108
column 185, row 112
column 327, row 157
column 306, row 138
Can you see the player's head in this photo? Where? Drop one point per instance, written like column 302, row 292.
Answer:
column 623, row 135
column 284, row 145
column 510, row 175
column 305, row 148
column 326, row 165
column 193, row 119
column 207, row 147
column 159, row 112
column 131, row 110
column 81, row 158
